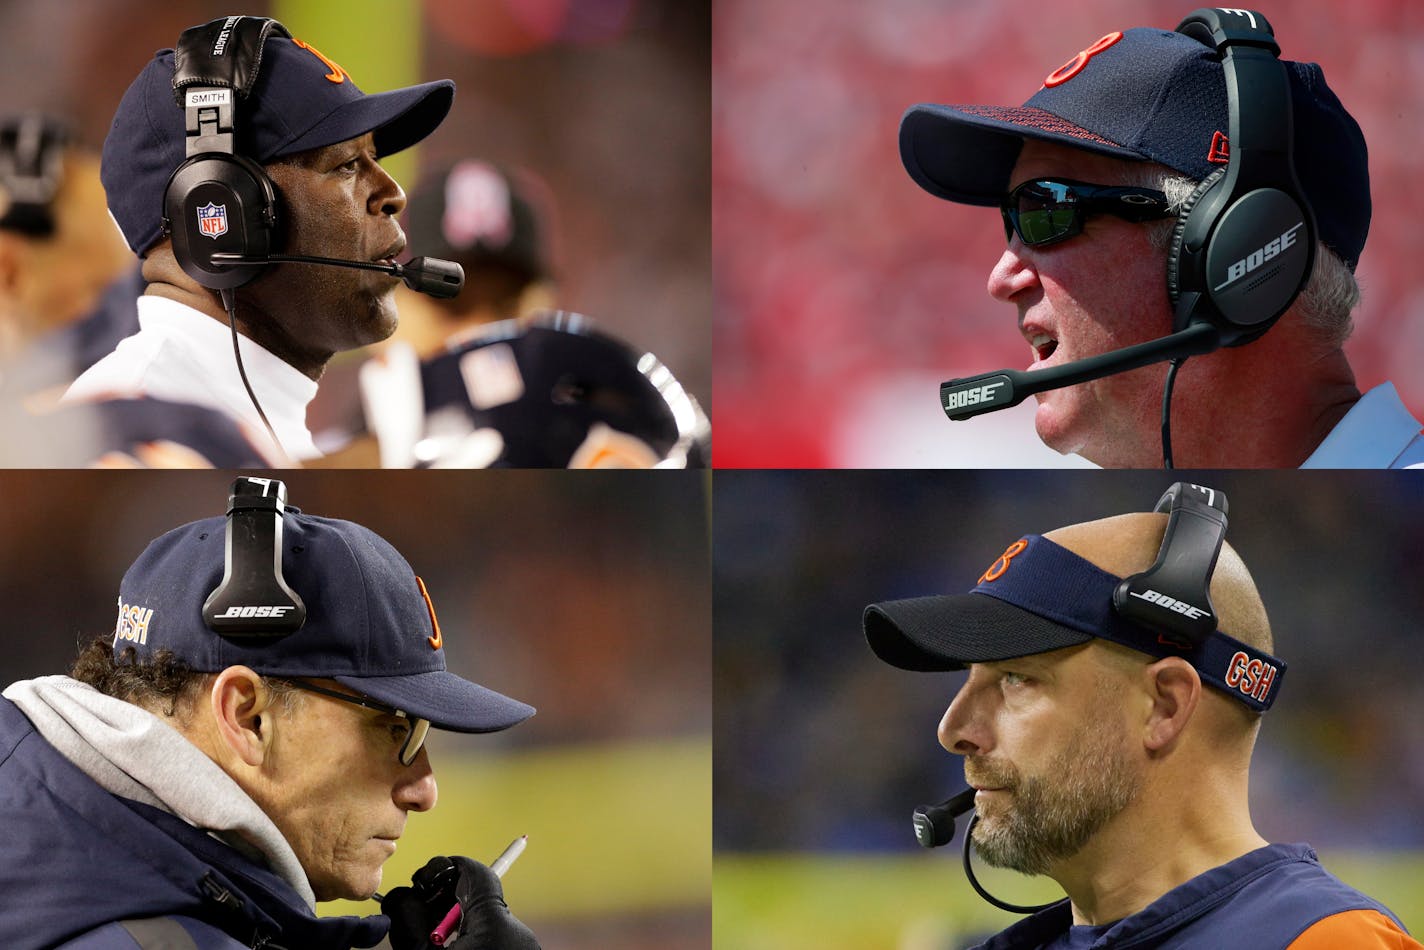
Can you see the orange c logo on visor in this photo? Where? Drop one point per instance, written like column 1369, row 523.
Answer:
column 337, row 74
column 1001, row 563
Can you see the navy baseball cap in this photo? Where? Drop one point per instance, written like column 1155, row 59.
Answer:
column 1144, row 95
column 370, row 624
column 300, row 101
column 1038, row 596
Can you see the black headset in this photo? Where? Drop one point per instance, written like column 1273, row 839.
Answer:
column 1172, row 598
column 1244, row 243
column 253, row 598
column 31, row 170
column 218, row 201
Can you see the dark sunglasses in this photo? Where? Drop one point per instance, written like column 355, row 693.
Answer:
column 1048, row 210
column 414, row 739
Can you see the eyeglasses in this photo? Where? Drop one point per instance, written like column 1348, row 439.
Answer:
column 1048, row 210
column 419, row 728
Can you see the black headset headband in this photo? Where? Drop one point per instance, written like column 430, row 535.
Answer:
column 1173, row 595
column 253, row 599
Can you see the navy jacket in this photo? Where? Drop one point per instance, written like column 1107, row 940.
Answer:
column 1263, row 900
column 76, row 860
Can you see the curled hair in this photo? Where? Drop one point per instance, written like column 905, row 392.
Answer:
column 1331, row 293
column 163, row 684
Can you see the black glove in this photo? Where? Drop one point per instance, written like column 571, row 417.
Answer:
column 485, row 922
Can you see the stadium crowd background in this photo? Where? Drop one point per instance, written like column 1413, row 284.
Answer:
column 844, row 294
column 587, row 597
column 822, row 751
column 606, row 101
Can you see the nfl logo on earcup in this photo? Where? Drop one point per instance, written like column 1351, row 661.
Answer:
column 212, row 220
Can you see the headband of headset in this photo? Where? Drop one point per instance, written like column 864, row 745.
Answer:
column 1173, row 595
column 211, row 63
column 253, row 599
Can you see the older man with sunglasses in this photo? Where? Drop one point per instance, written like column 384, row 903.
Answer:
column 203, row 782
column 1090, row 176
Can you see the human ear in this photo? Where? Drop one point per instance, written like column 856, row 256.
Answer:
column 238, row 701
column 1174, row 688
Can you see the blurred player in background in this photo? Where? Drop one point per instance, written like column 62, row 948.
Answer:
column 206, row 775
column 1147, row 109
column 58, row 253
column 1111, row 756
column 494, row 377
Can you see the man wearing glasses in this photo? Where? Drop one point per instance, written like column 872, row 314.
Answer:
column 187, row 787
column 1090, row 175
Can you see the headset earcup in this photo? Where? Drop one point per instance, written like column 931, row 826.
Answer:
column 1174, row 253
column 217, row 203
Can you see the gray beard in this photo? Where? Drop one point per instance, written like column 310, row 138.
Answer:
column 1050, row 817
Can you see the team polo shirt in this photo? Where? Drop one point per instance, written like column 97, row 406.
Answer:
column 1377, row 432
column 1274, row 898
column 183, row 355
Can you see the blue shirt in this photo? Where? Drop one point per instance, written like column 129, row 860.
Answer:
column 1377, row 432
column 1266, row 899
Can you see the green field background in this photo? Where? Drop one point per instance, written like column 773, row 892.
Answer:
column 614, row 829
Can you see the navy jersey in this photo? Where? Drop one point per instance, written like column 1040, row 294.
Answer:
column 1273, row 898
column 549, row 392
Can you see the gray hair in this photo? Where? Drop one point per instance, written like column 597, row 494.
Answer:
column 1330, row 295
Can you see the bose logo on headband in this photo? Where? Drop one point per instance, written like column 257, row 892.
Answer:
column 254, row 612
column 1172, row 604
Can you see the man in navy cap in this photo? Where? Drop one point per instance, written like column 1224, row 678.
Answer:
column 1111, row 756
column 1147, row 109
column 248, row 742
column 318, row 138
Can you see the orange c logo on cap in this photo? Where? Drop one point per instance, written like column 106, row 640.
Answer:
column 1075, row 65
column 337, row 74
column 1001, row 563
column 437, row 641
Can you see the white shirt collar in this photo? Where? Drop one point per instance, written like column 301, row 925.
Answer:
column 184, row 355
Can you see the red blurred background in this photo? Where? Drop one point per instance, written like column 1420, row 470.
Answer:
column 844, row 294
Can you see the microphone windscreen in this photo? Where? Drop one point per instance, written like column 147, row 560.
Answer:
column 431, row 275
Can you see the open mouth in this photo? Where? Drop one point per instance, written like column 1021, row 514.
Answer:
column 1044, row 346
column 389, row 255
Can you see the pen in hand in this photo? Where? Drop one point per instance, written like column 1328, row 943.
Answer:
column 499, row 866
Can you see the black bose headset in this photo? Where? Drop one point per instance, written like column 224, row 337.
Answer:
column 218, row 201
column 1172, row 598
column 1244, row 243
column 253, row 599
